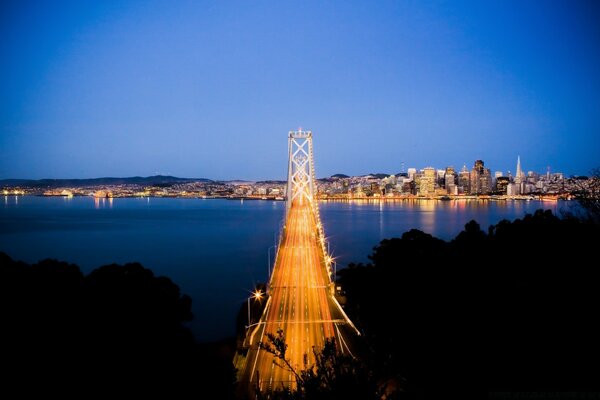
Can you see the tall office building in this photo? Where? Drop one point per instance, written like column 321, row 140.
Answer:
column 520, row 176
column 502, row 183
column 532, row 177
column 450, row 181
column 485, row 181
column 427, row 183
column 520, row 179
column 464, row 184
column 440, row 180
column 479, row 166
column 480, row 178
column 476, row 172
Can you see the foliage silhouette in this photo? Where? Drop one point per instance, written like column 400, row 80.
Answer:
column 119, row 330
column 587, row 193
column 332, row 376
column 510, row 309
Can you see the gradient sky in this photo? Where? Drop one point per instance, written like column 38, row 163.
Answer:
column 211, row 88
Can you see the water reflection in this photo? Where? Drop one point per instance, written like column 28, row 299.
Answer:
column 11, row 200
column 381, row 218
column 427, row 208
column 100, row 202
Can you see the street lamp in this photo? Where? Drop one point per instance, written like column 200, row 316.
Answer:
column 331, row 260
column 257, row 296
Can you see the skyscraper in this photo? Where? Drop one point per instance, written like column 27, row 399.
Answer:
column 485, row 181
column 463, row 180
column 450, row 181
column 427, row 184
column 480, row 178
column 502, row 183
column 476, row 173
column 519, row 176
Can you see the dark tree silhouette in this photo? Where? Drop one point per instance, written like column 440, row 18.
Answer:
column 510, row 309
column 332, row 376
column 587, row 193
column 117, row 332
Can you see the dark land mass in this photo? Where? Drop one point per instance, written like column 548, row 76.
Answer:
column 136, row 180
column 157, row 180
column 333, row 178
column 116, row 332
column 512, row 308
column 378, row 175
column 272, row 182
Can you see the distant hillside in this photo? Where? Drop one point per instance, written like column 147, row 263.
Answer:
column 379, row 175
column 272, row 182
column 136, row 180
column 341, row 176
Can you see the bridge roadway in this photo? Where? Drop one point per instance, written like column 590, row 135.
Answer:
column 300, row 303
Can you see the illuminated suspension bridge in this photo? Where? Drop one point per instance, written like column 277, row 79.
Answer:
column 300, row 293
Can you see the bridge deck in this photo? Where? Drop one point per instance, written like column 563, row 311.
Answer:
column 300, row 303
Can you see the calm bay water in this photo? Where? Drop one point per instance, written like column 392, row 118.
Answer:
column 215, row 250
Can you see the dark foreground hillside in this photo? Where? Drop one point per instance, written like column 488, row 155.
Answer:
column 511, row 308
column 116, row 332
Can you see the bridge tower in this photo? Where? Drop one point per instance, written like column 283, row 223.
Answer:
column 301, row 168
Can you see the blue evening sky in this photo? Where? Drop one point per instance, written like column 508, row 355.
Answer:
column 211, row 88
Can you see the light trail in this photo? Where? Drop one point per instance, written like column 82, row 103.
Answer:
column 301, row 301
column 300, row 304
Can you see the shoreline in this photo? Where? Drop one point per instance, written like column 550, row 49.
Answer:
column 549, row 198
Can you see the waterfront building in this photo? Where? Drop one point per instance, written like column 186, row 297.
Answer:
column 427, row 182
column 519, row 176
column 464, row 183
column 485, row 181
column 412, row 173
column 532, row 177
column 440, row 181
column 450, row 181
column 502, row 183
column 475, row 182
column 480, row 179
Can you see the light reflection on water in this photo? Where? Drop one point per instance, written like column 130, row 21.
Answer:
column 104, row 202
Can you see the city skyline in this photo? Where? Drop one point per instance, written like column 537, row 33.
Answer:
column 210, row 89
column 402, row 169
